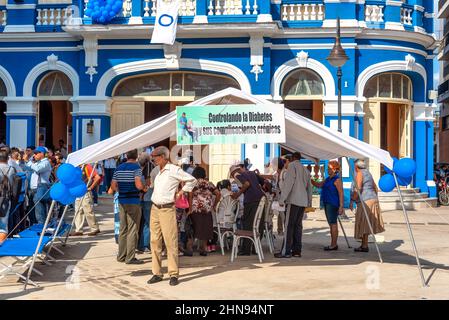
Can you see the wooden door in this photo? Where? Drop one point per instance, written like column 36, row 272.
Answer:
column 126, row 115
column 372, row 133
column 405, row 131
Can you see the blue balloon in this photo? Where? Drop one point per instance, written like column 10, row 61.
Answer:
column 68, row 199
column 102, row 19
column 58, row 191
column 78, row 173
column 79, row 190
column 66, row 173
column 405, row 167
column 404, row 181
column 88, row 12
column 387, row 183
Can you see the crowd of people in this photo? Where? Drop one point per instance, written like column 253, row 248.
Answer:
column 162, row 208
column 25, row 179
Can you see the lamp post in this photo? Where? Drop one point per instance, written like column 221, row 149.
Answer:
column 338, row 58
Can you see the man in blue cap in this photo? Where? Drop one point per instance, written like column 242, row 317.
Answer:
column 40, row 169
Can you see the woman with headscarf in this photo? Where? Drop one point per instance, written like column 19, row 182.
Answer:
column 369, row 201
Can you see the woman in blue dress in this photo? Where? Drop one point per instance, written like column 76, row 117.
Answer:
column 332, row 197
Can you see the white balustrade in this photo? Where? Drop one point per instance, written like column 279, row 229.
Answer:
column 86, row 2
column 374, row 13
column 302, row 12
column 316, row 171
column 53, row 16
column 186, row 8
column 3, row 15
column 127, row 8
column 406, row 16
column 233, row 7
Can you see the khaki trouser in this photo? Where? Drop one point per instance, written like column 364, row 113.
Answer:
column 86, row 211
column 130, row 215
column 163, row 226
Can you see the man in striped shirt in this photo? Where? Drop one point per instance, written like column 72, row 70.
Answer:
column 127, row 180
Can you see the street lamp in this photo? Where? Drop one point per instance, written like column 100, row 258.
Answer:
column 338, row 58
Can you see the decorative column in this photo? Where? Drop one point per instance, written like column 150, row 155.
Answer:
column 91, row 120
column 136, row 12
column 264, row 11
column 201, row 11
column 21, row 16
column 393, row 15
column 21, row 115
column 423, row 147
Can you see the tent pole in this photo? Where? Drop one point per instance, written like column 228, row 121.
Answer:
column 82, row 199
column 57, row 229
column 364, row 211
column 44, row 228
column 344, row 233
column 410, row 232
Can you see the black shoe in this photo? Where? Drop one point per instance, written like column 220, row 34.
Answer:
column 296, row 254
column 203, row 253
column 243, row 253
column 135, row 261
column 174, row 281
column 280, row 255
column 329, row 248
column 154, row 279
column 361, row 249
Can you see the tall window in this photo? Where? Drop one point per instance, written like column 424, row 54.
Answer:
column 55, row 85
column 303, row 84
column 389, row 86
column 174, row 84
column 2, row 89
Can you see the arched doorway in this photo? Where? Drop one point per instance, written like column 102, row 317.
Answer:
column 3, row 94
column 302, row 92
column 54, row 120
column 142, row 98
column 388, row 118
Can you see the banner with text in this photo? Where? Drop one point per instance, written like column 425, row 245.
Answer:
column 229, row 124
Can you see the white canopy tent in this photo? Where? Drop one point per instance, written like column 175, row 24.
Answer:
column 314, row 140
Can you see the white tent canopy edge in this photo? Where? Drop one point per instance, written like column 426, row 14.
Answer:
column 312, row 139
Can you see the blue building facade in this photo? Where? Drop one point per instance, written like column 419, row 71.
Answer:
column 65, row 77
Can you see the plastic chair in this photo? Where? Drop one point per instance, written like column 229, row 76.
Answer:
column 226, row 219
column 268, row 230
column 252, row 235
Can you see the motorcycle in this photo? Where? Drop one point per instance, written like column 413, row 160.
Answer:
column 443, row 195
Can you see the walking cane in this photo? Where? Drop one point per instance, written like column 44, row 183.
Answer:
column 344, row 233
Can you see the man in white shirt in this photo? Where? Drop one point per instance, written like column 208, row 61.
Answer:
column 163, row 224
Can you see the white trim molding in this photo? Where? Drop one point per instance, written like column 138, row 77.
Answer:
column 350, row 106
column 157, row 64
column 19, row 28
column 21, row 106
column 394, row 3
column 301, row 62
column 88, row 105
column 50, row 65
column 8, row 81
column 389, row 66
column 24, row 6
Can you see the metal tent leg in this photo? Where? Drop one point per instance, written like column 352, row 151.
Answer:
column 410, row 232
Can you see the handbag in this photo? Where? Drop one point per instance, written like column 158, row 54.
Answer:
column 182, row 202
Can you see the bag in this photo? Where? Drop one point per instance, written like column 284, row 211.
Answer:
column 5, row 193
column 19, row 187
column 182, row 202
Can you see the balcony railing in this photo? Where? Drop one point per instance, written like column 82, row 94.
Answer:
column 302, row 12
column 406, row 16
column 443, row 92
column 374, row 13
column 53, row 16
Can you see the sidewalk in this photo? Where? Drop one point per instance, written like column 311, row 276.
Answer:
column 88, row 270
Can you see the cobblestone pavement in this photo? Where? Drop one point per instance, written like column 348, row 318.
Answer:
column 88, row 269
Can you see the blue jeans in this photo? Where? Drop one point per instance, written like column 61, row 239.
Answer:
column 42, row 205
column 144, row 234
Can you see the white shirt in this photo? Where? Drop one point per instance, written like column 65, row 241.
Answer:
column 167, row 181
column 110, row 163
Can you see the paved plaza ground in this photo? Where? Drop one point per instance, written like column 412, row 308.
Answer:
column 88, row 269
